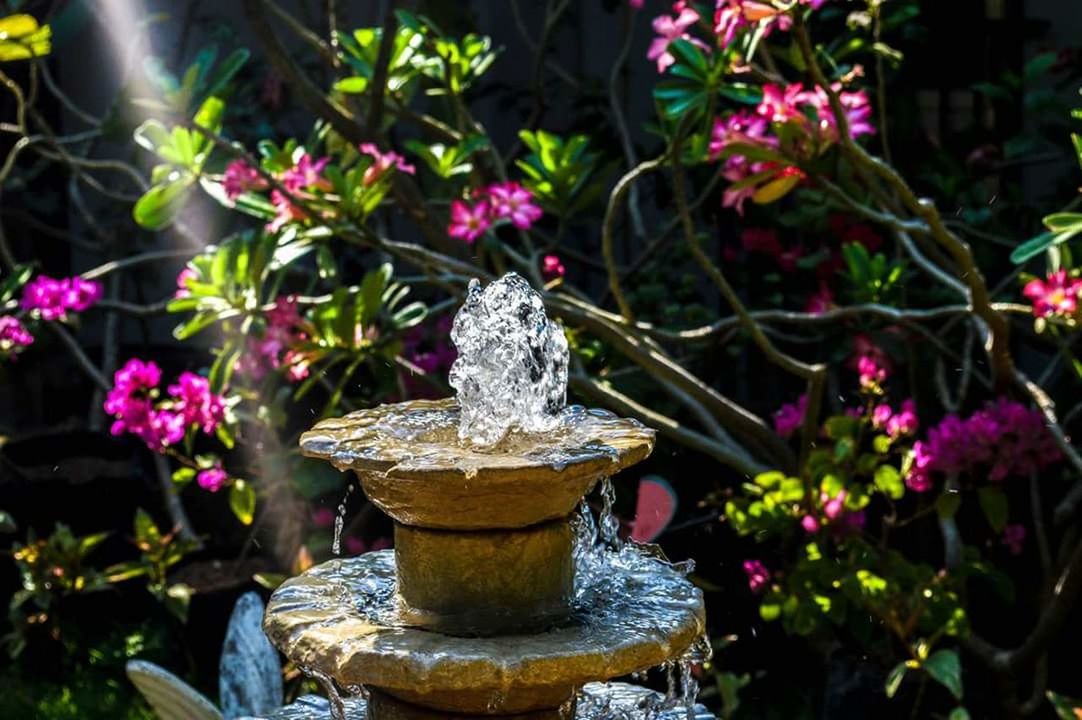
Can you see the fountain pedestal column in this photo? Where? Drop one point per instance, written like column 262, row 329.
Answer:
column 485, row 582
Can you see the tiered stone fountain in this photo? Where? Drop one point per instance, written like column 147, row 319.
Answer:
column 499, row 599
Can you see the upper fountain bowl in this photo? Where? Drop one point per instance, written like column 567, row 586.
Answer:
column 413, row 466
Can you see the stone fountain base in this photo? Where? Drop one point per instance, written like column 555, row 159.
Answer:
column 346, row 618
column 599, row 701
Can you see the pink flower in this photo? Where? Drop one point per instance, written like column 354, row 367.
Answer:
column 381, row 163
column 833, row 507
column 276, row 347
column 635, row 4
column 185, row 276
column 871, row 363
column 13, row 336
column 286, row 212
column 239, row 178
column 1055, row 295
column 551, row 267
column 761, row 240
column 357, row 546
column 306, row 175
column 668, row 30
column 212, row 479
column 469, row 222
column 789, row 418
column 820, row 301
column 50, row 299
column 732, row 16
column 1014, row 538
column 130, row 402
column 781, row 106
column 810, row 524
column 1004, row 439
column 904, row 422
column 758, row 575
column 514, row 202
column 323, row 517
column 195, row 403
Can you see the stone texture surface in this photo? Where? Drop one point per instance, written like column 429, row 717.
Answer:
column 485, row 582
column 312, row 620
column 413, row 467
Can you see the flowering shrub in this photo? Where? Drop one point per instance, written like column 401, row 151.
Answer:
column 874, row 401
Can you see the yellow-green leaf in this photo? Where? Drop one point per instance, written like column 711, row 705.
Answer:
column 21, row 37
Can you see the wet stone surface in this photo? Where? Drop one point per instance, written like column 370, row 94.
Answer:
column 598, row 701
column 345, row 617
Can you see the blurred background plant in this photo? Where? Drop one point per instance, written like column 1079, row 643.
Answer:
column 865, row 398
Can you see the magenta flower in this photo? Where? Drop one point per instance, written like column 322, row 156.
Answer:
column 1014, row 538
column 239, row 178
column 1056, row 295
column 50, row 298
column 790, row 417
column 870, row 361
column 635, row 4
column 552, row 268
column 820, row 301
column 469, row 222
column 512, row 201
column 130, row 402
column 306, row 175
column 195, row 403
column 810, row 524
column 781, row 106
column 285, row 212
column 833, row 507
column 213, row 479
column 1004, row 439
column 669, row 29
column 185, row 276
column 758, row 575
column 323, row 517
column 13, row 335
column 381, row 163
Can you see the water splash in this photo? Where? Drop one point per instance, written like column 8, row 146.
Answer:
column 340, row 521
column 608, row 523
column 511, row 370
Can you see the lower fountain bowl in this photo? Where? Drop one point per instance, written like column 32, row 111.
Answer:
column 344, row 618
column 597, row 701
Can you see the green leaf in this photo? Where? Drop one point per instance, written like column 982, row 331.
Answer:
column 352, row 85
column 21, row 38
column 889, row 481
column 1032, row 248
column 944, row 667
column 1066, row 708
column 242, row 501
column 994, row 505
column 958, row 713
column 7, row 523
column 328, row 269
column 177, row 599
column 894, row 679
column 159, row 205
column 146, row 531
column 182, row 476
column 371, row 296
column 1061, row 221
